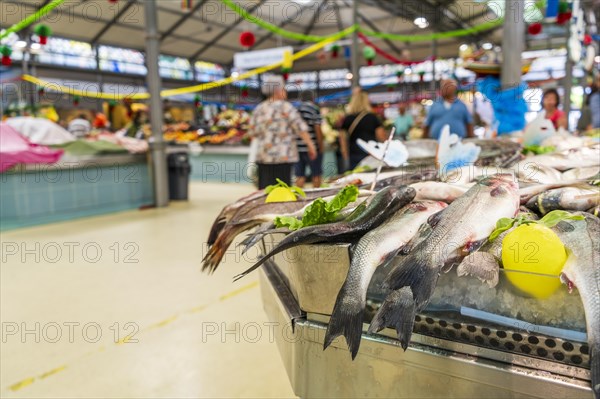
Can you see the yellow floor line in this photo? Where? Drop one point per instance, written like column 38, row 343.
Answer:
column 28, row 381
column 238, row 291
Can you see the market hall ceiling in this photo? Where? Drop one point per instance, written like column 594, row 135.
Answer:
column 210, row 31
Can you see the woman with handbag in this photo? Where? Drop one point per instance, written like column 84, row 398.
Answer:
column 360, row 123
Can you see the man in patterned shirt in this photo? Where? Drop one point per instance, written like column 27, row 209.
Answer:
column 311, row 114
column 275, row 124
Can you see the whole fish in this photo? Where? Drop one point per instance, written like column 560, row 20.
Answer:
column 528, row 191
column 257, row 215
column 595, row 210
column 581, row 173
column 450, row 235
column 246, row 204
column 371, row 251
column 582, row 270
column 484, row 264
column 439, row 191
column 384, row 203
column 579, row 158
column 531, row 172
column 579, row 198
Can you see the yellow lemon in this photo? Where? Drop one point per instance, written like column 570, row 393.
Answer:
column 533, row 248
column 281, row 194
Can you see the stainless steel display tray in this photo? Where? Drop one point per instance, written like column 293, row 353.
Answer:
column 448, row 356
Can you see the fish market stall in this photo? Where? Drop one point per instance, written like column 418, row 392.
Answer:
column 480, row 279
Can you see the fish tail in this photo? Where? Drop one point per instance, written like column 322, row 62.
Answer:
column 215, row 230
column 595, row 369
column 397, row 311
column 216, row 252
column 346, row 320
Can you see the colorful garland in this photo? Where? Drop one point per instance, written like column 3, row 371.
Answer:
column 388, row 56
column 35, row 17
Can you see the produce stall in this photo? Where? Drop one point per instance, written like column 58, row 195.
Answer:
column 482, row 279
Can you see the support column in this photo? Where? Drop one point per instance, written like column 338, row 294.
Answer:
column 159, row 159
column 354, row 56
column 512, row 42
column 99, row 78
column 568, row 80
column 434, row 55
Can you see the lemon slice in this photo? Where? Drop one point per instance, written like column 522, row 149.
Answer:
column 533, row 248
column 281, row 194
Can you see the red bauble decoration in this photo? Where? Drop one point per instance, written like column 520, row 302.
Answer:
column 247, row 39
column 43, row 40
column 564, row 17
column 6, row 61
column 369, row 62
column 587, row 40
column 286, row 76
column 535, row 28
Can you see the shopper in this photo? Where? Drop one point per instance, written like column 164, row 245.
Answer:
column 311, row 114
column 275, row 124
column 360, row 123
column 80, row 126
column 403, row 122
column 550, row 103
column 448, row 110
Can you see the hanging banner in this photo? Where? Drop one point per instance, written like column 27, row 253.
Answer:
column 259, row 58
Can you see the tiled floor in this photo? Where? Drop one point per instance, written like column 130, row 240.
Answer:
column 72, row 292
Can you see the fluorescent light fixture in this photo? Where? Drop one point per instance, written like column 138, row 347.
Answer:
column 597, row 58
column 487, row 46
column 21, row 44
column 463, row 47
column 36, row 46
column 235, row 74
column 349, row 76
column 407, row 71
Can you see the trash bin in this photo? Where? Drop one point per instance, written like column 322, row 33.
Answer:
column 179, row 175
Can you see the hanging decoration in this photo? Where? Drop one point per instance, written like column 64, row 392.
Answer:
column 421, row 76
column 41, row 91
column 189, row 89
column 76, row 100
column 388, row 56
column 399, row 75
column 391, row 87
column 186, row 5
column 35, row 17
column 347, row 53
column 6, row 52
column 534, row 28
column 247, row 39
column 287, row 64
column 197, row 103
column 404, row 38
column 335, row 51
column 322, row 57
column 369, row 53
column 113, row 1
column 245, row 90
column 43, row 32
column 587, row 40
column 564, row 13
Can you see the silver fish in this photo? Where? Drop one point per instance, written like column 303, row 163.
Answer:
column 579, row 198
column 582, row 270
column 372, row 250
column 579, row 158
column 484, row 264
column 532, row 172
column 459, row 229
column 581, row 173
column 439, row 191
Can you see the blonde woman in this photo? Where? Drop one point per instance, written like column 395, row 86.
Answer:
column 360, row 123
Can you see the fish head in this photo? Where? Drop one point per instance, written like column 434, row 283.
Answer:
column 501, row 184
column 423, row 206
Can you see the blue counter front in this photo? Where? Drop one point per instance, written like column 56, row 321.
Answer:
column 73, row 188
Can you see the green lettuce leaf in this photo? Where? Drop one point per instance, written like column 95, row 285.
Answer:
column 290, row 222
column 555, row 217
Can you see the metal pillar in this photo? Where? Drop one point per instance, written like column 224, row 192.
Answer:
column 354, row 55
column 512, row 42
column 159, row 159
column 99, row 78
column 568, row 80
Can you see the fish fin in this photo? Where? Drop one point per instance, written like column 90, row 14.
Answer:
column 397, row 311
column 434, row 219
column 216, row 229
column 563, row 227
column 346, row 320
column 416, row 272
column 423, row 232
column 482, row 265
column 450, row 263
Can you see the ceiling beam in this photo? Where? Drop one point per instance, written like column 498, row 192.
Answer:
column 340, row 24
column 225, row 31
column 374, row 27
column 181, row 20
column 313, row 21
column 113, row 21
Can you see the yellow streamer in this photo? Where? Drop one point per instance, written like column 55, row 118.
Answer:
column 191, row 89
